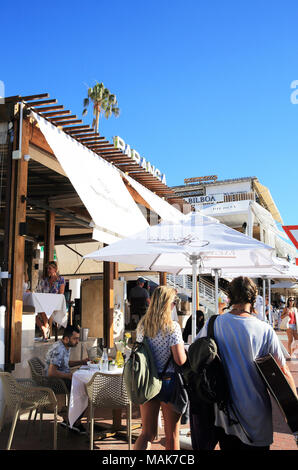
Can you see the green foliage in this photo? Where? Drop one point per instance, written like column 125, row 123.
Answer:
column 104, row 102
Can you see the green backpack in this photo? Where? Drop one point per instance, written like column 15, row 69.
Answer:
column 140, row 374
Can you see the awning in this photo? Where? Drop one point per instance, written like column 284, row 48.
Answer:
column 98, row 184
column 165, row 210
column 265, row 194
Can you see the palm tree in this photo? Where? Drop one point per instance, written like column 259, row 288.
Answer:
column 103, row 102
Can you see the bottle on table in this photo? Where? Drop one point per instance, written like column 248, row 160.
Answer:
column 119, row 359
column 104, row 362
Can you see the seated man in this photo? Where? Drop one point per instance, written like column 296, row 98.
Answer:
column 58, row 364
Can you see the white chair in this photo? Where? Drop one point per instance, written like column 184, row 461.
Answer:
column 108, row 391
column 22, row 396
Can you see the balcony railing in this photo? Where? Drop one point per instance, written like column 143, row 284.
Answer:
column 239, row 197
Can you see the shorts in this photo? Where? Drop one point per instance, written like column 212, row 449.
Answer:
column 292, row 326
column 167, row 388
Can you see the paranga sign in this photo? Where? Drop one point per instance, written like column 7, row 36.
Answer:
column 138, row 159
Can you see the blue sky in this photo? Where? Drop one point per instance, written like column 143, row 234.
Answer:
column 204, row 87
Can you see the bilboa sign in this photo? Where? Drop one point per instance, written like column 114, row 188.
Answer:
column 138, row 159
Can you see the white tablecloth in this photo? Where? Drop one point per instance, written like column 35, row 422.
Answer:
column 54, row 305
column 78, row 397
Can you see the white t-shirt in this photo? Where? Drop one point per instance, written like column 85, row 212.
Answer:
column 241, row 340
column 161, row 345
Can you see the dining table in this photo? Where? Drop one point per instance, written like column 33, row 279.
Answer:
column 78, row 400
column 54, row 305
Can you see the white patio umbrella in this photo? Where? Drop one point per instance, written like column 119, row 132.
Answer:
column 287, row 287
column 279, row 269
column 195, row 243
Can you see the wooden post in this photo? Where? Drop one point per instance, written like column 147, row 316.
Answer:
column 49, row 247
column 17, row 223
column 116, row 270
column 108, row 303
column 49, row 241
column 162, row 279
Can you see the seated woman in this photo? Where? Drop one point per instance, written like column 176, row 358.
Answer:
column 53, row 284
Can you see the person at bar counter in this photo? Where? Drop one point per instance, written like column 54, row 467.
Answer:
column 52, row 284
column 241, row 338
column 58, row 365
column 165, row 338
column 139, row 299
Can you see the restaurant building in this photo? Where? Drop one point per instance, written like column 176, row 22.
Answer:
column 241, row 203
column 65, row 192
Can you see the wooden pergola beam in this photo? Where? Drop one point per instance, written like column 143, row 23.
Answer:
column 56, row 113
column 63, row 123
column 40, row 103
column 35, row 97
column 46, row 108
column 62, row 118
column 79, row 131
column 75, row 128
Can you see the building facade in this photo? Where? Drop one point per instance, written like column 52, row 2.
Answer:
column 241, row 203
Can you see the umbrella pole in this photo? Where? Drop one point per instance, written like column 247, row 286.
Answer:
column 269, row 302
column 264, row 299
column 216, row 291
column 194, row 264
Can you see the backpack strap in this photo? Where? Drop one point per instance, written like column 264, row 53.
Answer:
column 210, row 329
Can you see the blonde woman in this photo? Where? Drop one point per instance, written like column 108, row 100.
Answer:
column 52, row 284
column 165, row 337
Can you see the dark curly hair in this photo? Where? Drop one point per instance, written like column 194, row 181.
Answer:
column 242, row 290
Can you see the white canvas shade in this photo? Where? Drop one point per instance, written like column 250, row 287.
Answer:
column 196, row 242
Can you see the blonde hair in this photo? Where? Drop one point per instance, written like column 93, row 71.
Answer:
column 53, row 264
column 158, row 316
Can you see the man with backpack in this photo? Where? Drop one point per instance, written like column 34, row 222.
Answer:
column 240, row 338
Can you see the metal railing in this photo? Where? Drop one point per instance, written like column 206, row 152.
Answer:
column 206, row 288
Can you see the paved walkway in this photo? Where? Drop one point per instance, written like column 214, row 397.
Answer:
column 283, row 438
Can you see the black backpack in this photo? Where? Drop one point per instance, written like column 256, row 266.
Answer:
column 206, row 380
column 206, row 376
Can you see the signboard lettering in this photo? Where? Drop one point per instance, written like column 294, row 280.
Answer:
column 138, row 159
column 209, row 199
